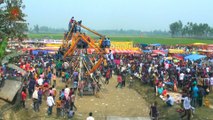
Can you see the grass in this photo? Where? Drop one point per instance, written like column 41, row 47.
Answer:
column 169, row 113
column 135, row 39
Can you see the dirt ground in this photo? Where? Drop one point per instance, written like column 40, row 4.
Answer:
column 113, row 101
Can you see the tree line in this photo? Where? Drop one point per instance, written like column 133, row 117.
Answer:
column 191, row 30
column 120, row 32
column 45, row 29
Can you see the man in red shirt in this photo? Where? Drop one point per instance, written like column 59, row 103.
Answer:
column 23, row 97
column 119, row 79
column 27, row 66
column 107, row 76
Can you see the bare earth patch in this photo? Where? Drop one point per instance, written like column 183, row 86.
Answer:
column 113, row 102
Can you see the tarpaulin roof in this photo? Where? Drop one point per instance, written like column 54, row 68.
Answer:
column 156, row 44
column 147, row 51
column 143, row 45
column 194, row 57
column 35, row 52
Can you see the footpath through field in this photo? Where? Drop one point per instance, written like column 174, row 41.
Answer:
column 113, row 102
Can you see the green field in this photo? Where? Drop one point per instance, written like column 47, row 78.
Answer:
column 135, row 39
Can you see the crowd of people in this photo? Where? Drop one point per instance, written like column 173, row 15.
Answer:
column 41, row 82
column 193, row 79
column 45, row 72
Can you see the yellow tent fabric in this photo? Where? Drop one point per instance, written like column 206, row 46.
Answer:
column 177, row 51
column 53, row 45
column 199, row 44
column 121, row 45
column 167, row 58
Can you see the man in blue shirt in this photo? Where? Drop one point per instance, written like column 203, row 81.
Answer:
column 194, row 94
column 49, row 77
column 169, row 100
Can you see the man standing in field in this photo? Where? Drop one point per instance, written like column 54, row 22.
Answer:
column 23, row 97
column 50, row 103
column 35, row 100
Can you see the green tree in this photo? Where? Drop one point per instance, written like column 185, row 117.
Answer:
column 36, row 28
column 176, row 28
column 12, row 19
column 211, row 32
column 173, row 29
column 184, row 31
column 12, row 23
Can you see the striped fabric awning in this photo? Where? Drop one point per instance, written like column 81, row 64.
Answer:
column 118, row 50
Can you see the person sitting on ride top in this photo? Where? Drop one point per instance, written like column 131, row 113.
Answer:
column 70, row 23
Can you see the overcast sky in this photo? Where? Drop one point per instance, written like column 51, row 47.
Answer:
column 142, row 15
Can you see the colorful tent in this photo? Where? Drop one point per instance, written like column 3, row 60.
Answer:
column 178, row 56
column 118, row 50
column 210, row 47
column 125, row 51
column 194, row 57
column 161, row 52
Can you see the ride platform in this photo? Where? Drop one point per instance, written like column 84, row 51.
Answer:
column 9, row 90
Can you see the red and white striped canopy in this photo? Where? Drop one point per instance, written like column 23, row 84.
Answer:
column 118, row 51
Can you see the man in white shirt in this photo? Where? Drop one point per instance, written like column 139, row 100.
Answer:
column 207, row 69
column 123, row 68
column 121, row 62
column 166, row 65
column 50, row 103
column 188, row 70
column 110, row 55
column 35, row 101
column 40, row 81
column 187, row 107
column 66, row 65
column 181, row 78
column 66, row 91
column 90, row 117
column 106, row 56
